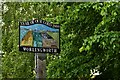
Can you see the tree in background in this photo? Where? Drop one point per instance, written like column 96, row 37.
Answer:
column 104, row 46
column 89, row 39
column 17, row 64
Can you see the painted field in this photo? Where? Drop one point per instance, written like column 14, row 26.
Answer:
column 27, row 40
column 55, row 36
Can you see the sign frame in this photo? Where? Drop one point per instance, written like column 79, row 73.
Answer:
column 39, row 49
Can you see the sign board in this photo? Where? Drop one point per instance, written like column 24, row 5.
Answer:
column 39, row 36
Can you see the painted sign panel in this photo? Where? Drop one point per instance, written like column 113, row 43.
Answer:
column 39, row 36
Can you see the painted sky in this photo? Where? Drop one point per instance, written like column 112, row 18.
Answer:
column 41, row 27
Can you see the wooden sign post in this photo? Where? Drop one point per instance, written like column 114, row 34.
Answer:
column 40, row 66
